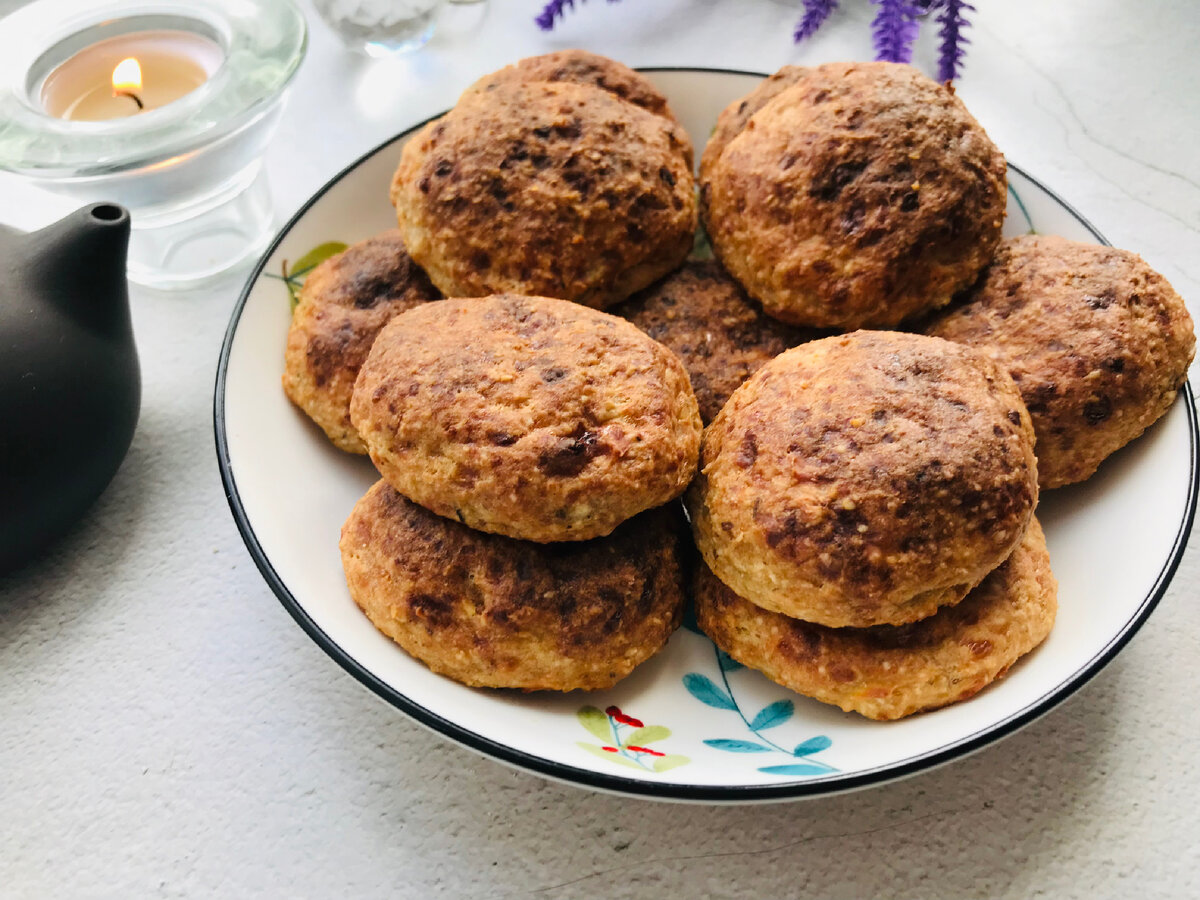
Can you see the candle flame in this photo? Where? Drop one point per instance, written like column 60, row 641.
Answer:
column 127, row 77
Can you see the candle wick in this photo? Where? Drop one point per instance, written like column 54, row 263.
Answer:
column 132, row 96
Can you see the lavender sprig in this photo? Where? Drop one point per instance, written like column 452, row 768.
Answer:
column 952, row 19
column 553, row 11
column 815, row 14
column 894, row 30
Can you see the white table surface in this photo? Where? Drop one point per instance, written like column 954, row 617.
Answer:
column 167, row 730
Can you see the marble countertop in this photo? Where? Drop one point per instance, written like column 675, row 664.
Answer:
column 166, row 729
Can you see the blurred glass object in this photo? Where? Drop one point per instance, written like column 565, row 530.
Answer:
column 380, row 28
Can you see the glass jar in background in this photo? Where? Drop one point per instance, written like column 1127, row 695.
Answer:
column 380, row 27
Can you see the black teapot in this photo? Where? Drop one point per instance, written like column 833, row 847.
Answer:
column 70, row 389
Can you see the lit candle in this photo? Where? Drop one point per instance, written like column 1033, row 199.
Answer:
column 125, row 75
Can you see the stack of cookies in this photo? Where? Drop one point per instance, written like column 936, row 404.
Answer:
column 865, row 503
column 851, row 492
column 522, row 441
column 864, row 499
column 523, row 534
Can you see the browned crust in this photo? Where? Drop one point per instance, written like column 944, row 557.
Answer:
column 708, row 321
column 525, row 416
column 493, row 612
column 582, row 67
column 888, row 672
column 560, row 190
column 344, row 303
column 734, row 117
column 1097, row 341
column 861, row 195
column 865, row 479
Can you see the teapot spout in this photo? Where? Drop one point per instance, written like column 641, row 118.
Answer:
column 79, row 264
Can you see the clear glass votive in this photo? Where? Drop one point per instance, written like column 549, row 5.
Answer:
column 380, row 28
column 190, row 171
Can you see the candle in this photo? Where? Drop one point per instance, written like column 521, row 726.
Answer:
column 100, row 82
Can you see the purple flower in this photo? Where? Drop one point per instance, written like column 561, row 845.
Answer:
column 894, row 30
column 815, row 14
column 952, row 20
column 553, row 11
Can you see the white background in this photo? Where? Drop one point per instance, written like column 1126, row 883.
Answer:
column 166, row 730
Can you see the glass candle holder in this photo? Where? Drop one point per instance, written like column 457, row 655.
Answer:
column 190, row 171
column 380, row 28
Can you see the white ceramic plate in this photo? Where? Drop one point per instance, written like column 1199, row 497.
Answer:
column 708, row 729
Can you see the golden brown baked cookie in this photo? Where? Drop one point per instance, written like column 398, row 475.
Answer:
column 343, row 304
column 861, row 195
column 887, row 672
column 706, row 319
column 529, row 417
column 1097, row 342
column 493, row 612
column 734, row 117
column 560, row 190
column 582, row 67
column 865, row 479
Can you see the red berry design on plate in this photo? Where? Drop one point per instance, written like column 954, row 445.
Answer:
column 616, row 742
column 615, row 712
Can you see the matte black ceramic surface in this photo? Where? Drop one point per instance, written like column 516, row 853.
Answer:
column 70, row 389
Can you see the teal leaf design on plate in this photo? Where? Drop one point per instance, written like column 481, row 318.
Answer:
column 647, row 735
column 813, row 745
column 808, row 768
column 702, row 688
column 669, row 762
column 738, row 746
column 1024, row 211
column 775, row 714
column 722, row 696
column 595, row 721
column 727, row 662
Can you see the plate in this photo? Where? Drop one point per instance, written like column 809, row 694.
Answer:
column 706, row 728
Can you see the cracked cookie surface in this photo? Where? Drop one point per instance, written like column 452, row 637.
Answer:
column 490, row 611
column 859, row 196
column 550, row 189
column 1098, row 343
column 865, row 479
column 888, row 672
column 526, row 416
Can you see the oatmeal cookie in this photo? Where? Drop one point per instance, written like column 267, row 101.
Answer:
column 734, row 117
column 1097, row 342
column 862, row 195
column 525, row 416
column 887, row 672
column 343, row 304
column 553, row 189
column 489, row 611
column 582, row 67
column 865, row 479
column 708, row 321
